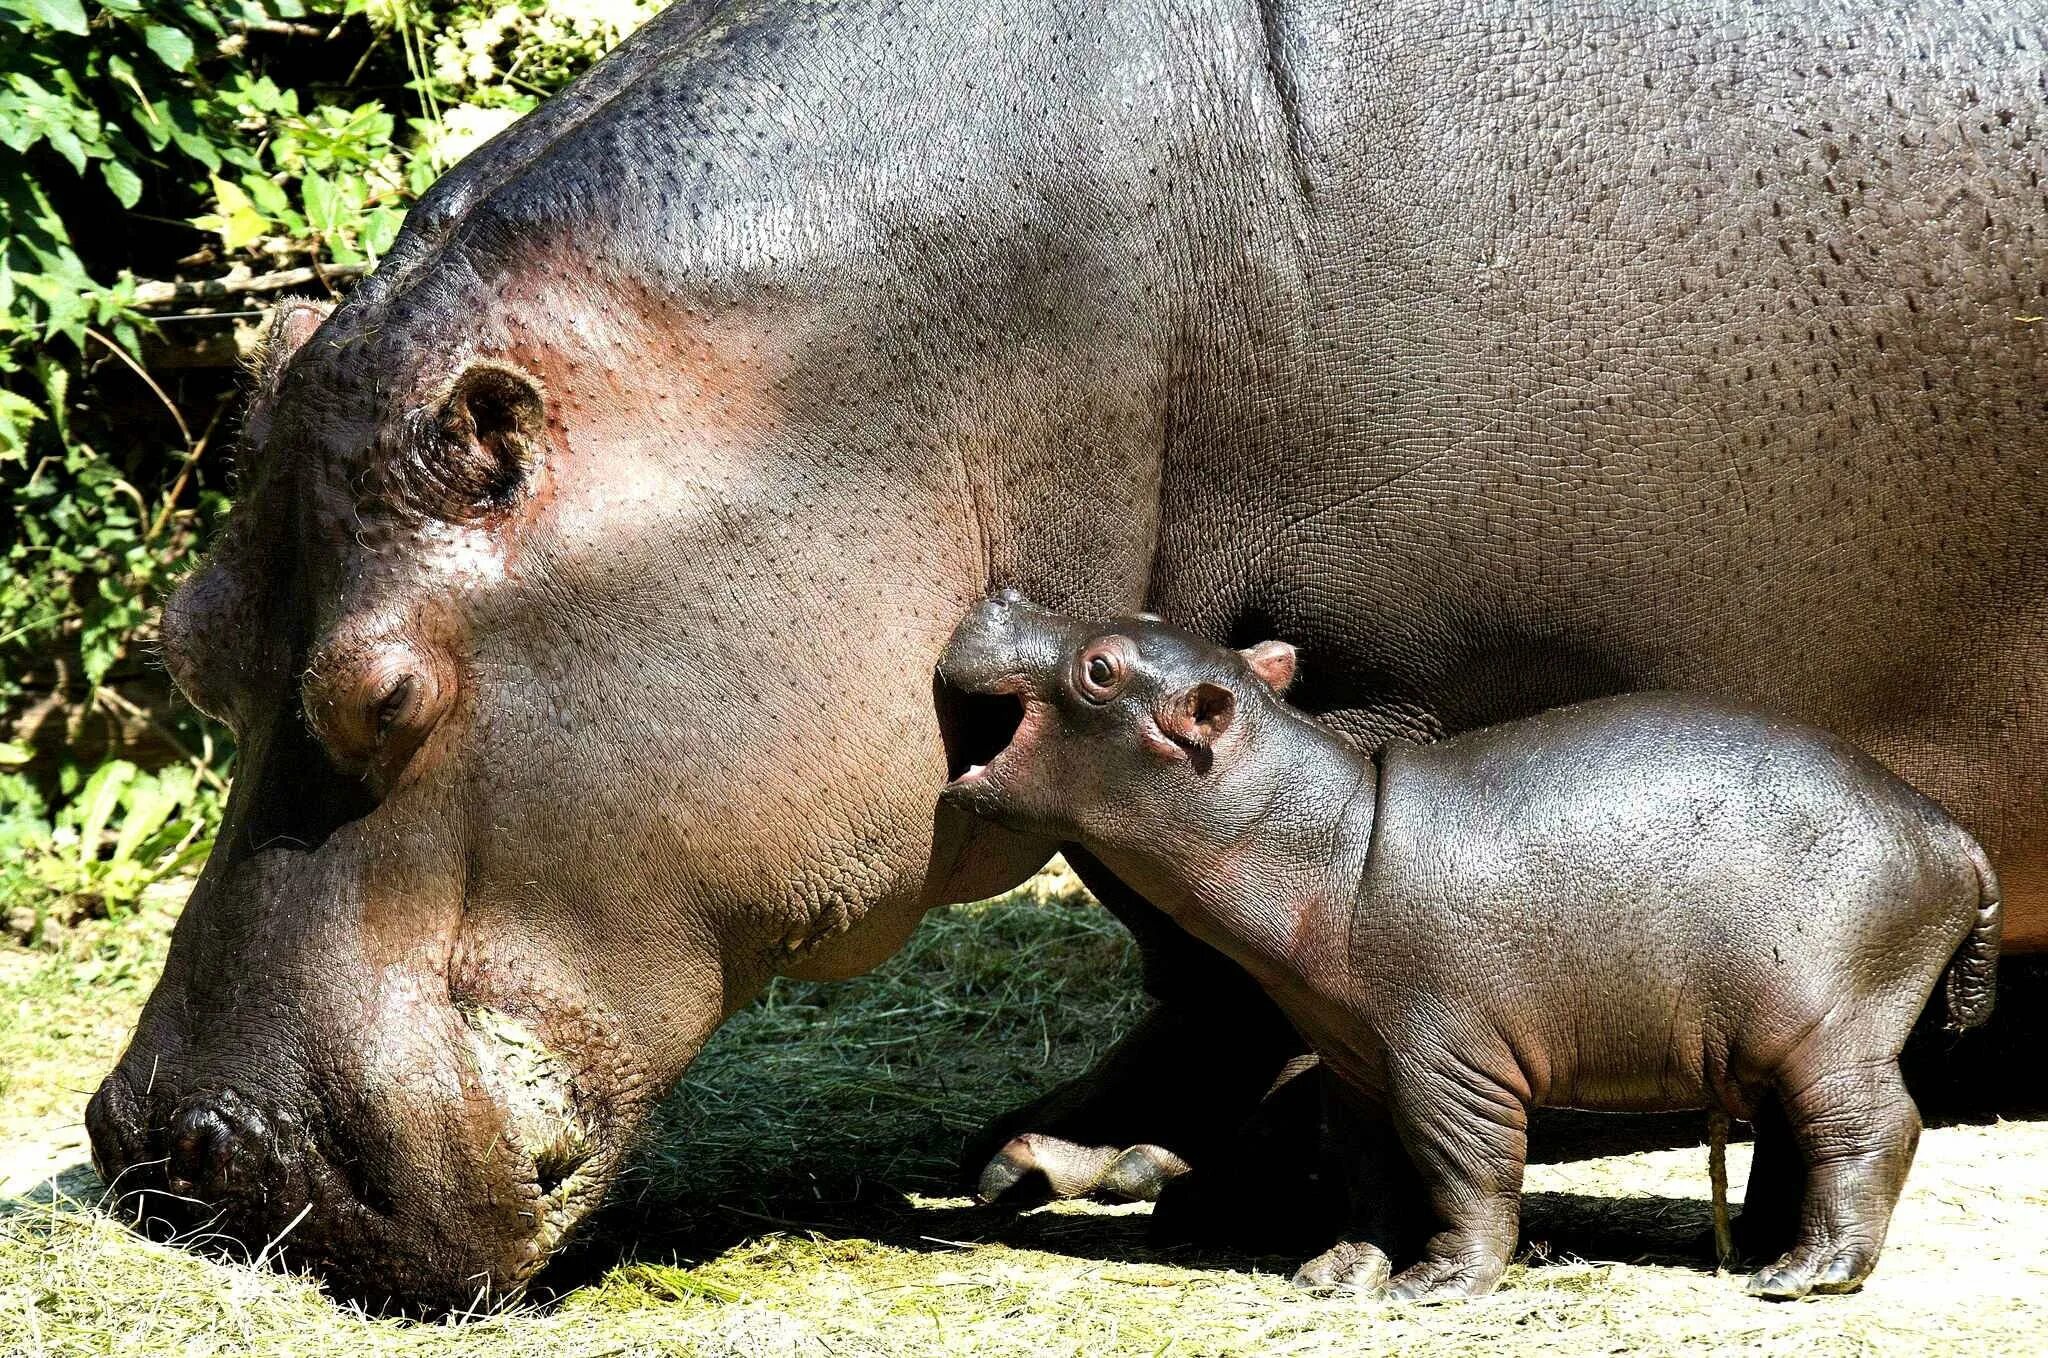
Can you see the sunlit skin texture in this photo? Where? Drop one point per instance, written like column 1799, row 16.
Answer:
column 578, row 615
column 1641, row 903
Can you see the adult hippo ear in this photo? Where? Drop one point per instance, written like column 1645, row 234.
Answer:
column 481, row 445
column 287, row 331
column 1273, row 662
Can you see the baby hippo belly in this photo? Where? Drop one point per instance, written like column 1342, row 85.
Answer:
column 1644, row 903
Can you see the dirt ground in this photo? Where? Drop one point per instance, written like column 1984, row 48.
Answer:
column 795, row 1199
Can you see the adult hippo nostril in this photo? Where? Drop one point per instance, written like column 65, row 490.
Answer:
column 199, row 1151
column 216, row 1147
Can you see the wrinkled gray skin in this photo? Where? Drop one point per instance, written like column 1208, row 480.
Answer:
column 1642, row 903
column 578, row 614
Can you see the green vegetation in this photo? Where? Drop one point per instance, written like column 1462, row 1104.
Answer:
column 170, row 168
column 124, row 831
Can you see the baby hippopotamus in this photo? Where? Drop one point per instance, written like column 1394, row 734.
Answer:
column 1650, row 902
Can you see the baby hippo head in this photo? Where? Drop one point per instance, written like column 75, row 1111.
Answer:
column 1081, row 730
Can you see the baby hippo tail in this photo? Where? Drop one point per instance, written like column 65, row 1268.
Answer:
column 1971, row 984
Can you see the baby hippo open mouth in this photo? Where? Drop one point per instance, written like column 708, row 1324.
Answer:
column 1615, row 906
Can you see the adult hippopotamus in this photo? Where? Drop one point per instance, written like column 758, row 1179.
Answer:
column 578, row 615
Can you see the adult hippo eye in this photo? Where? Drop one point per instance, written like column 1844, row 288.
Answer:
column 398, row 698
column 373, row 695
column 1103, row 669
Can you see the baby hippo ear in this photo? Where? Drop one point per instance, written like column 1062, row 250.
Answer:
column 1198, row 717
column 1272, row 661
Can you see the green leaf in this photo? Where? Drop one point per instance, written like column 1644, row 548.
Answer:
column 65, row 143
column 17, row 413
column 186, row 128
column 171, row 45
column 191, row 857
column 13, row 754
column 323, row 203
column 267, row 194
column 380, row 229
column 238, row 221
column 96, row 803
column 147, row 806
column 56, row 380
column 66, row 16
column 125, row 184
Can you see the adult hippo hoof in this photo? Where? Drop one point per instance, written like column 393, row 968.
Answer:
column 1793, row 1276
column 1034, row 1168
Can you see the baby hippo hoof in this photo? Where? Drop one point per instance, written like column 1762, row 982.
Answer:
column 1348, row 1267
column 1032, row 1168
column 1796, row 1276
column 1440, row 1280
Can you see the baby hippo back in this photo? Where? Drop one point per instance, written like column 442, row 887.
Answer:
column 1636, row 902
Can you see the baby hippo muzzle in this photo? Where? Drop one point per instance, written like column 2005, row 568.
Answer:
column 1017, row 682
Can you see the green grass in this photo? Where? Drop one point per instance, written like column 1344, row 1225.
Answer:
column 795, row 1197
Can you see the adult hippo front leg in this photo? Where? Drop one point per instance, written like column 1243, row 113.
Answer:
column 1185, row 1088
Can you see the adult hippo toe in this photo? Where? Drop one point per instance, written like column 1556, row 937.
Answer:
column 578, row 614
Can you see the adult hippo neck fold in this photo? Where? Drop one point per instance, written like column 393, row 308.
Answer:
column 578, row 615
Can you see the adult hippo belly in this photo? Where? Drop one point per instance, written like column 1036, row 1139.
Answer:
column 578, row 614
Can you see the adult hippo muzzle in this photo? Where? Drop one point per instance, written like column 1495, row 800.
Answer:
column 578, row 614
column 368, row 1051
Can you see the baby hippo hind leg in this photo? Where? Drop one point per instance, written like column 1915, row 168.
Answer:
column 1856, row 1129
column 1469, row 1139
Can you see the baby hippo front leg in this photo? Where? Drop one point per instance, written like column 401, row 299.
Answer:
column 1448, row 1150
column 1387, row 1201
column 1469, row 1139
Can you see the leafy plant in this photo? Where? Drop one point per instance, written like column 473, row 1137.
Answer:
column 144, row 144
column 216, row 135
column 121, row 832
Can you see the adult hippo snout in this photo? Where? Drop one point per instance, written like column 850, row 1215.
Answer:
column 415, row 1127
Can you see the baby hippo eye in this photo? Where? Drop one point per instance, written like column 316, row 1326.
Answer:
column 1102, row 670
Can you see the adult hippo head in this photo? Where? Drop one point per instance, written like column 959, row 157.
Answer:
column 578, row 614
column 577, row 623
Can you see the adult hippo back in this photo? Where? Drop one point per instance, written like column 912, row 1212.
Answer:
column 578, row 615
